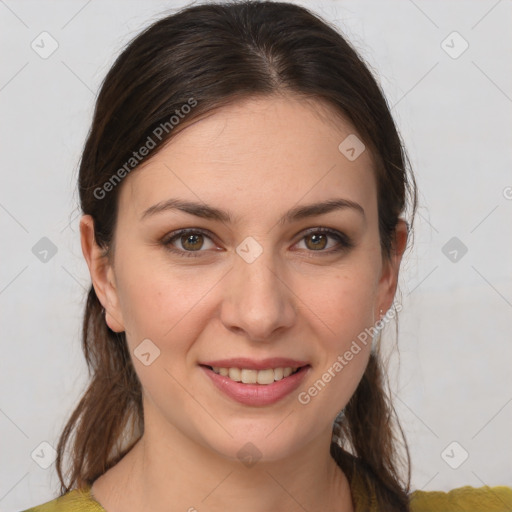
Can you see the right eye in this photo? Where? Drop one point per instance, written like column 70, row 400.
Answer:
column 191, row 241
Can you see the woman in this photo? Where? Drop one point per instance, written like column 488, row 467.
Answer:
column 244, row 192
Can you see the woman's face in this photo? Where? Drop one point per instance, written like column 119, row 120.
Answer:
column 261, row 282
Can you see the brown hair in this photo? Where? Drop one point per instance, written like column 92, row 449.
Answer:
column 215, row 54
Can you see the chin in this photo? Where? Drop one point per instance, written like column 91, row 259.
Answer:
column 257, row 445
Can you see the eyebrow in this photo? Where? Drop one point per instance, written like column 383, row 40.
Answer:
column 209, row 212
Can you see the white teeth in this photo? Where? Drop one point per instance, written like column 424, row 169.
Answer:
column 234, row 374
column 278, row 373
column 264, row 376
column 248, row 376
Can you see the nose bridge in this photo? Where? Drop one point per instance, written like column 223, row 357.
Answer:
column 257, row 300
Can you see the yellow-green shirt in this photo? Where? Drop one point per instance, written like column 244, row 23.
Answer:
column 462, row 499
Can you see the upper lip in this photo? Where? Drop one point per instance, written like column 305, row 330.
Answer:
column 253, row 364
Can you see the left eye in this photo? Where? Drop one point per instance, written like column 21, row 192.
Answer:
column 318, row 240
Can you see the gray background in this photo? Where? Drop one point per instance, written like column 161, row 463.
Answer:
column 454, row 380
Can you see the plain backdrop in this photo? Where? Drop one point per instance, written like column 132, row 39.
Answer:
column 445, row 69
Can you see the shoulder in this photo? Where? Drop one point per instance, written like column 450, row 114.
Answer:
column 490, row 499
column 77, row 500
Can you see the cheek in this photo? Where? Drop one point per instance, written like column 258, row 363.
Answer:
column 340, row 314
column 160, row 302
column 340, row 318
column 342, row 301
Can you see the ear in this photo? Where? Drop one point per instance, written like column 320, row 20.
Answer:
column 102, row 275
column 389, row 278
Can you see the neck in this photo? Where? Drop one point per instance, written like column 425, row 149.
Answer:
column 179, row 474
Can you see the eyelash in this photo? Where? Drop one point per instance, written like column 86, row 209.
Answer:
column 345, row 243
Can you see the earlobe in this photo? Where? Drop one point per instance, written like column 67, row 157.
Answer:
column 102, row 275
column 113, row 316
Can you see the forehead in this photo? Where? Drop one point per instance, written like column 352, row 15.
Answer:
column 256, row 151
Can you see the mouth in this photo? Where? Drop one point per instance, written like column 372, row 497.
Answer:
column 252, row 387
column 263, row 377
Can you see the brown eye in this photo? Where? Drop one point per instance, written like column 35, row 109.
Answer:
column 317, row 240
column 186, row 242
column 192, row 242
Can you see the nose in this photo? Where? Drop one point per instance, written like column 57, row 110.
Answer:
column 258, row 302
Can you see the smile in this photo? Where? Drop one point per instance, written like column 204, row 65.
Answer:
column 248, row 376
column 256, row 387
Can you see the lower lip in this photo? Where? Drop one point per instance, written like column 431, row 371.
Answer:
column 257, row 394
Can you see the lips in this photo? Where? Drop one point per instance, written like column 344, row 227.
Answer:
column 252, row 364
column 256, row 394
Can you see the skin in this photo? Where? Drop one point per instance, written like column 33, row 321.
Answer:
column 257, row 158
